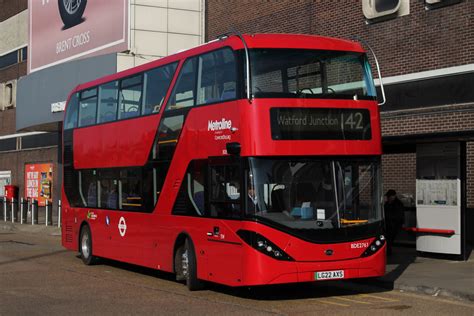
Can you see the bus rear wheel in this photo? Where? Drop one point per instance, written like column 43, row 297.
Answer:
column 85, row 245
column 186, row 266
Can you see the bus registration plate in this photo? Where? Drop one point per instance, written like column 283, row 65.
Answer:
column 328, row 275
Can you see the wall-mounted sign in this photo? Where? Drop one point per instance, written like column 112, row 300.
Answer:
column 66, row 30
column 39, row 182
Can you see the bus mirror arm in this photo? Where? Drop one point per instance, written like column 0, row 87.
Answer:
column 247, row 59
column 356, row 38
column 233, row 148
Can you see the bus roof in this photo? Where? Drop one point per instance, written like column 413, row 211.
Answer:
column 297, row 41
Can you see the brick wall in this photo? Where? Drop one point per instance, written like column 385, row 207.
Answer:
column 7, row 122
column 9, row 8
column 399, row 173
column 423, row 40
column 443, row 119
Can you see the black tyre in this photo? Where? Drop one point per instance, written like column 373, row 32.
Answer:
column 71, row 11
column 85, row 245
column 186, row 266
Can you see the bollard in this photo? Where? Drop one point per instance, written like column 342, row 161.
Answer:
column 13, row 210
column 21, row 211
column 4, row 209
column 59, row 213
column 47, row 212
column 32, row 212
column 28, row 207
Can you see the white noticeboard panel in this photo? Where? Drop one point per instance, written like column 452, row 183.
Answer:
column 438, row 198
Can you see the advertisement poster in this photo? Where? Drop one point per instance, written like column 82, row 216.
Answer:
column 39, row 182
column 64, row 30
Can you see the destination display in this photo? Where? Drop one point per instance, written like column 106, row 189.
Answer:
column 320, row 124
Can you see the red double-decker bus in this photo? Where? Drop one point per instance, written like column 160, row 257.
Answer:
column 248, row 160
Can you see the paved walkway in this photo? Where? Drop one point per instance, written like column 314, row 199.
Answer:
column 433, row 276
column 405, row 271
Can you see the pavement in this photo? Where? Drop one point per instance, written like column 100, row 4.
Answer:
column 406, row 271
column 445, row 277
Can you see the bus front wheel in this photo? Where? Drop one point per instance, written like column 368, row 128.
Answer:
column 186, row 266
column 85, row 245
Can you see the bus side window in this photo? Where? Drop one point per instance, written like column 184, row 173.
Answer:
column 184, row 91
column 224, row 195
column 88, row 187
column 217, row 77
column 108, row 102
column 191, row 196
column 157, row 82
column 88, row 107
column 130, row 97
column 72, row 112
column 108, row 189
column 130, row 189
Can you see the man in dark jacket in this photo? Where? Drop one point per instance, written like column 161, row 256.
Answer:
column 394, row 217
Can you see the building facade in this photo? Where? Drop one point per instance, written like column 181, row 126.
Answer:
column 426, row 53
column 45, row 52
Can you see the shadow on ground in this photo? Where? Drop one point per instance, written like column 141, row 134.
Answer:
column 294, row 291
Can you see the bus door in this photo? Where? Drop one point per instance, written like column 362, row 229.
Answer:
column 223, row 246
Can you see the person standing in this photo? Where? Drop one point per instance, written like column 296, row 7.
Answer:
column 394, row 217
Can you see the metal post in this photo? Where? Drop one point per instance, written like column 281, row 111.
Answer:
column 28, row 207
column 21, row 211
column 13, row 210
column 47, row 211
column 32, row 212
column 59, row 213
column 5, row 209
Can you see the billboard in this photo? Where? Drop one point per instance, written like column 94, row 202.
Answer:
column 39, row 182
column 62, row 30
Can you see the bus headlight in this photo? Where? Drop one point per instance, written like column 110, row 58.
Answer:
column 374, row 246
column 263, row 245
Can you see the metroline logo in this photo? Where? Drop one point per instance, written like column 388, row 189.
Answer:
column 219, row 125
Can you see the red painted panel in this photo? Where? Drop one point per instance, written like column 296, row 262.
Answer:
column 118, row 144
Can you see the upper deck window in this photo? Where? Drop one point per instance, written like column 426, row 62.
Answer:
column 88, row 107
column 157, row 82
column 184, row 92
column 71, row 113
column 290, row 73
column 214, row 74
column 130, row 97
column 217, row 77
column 108, row 102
